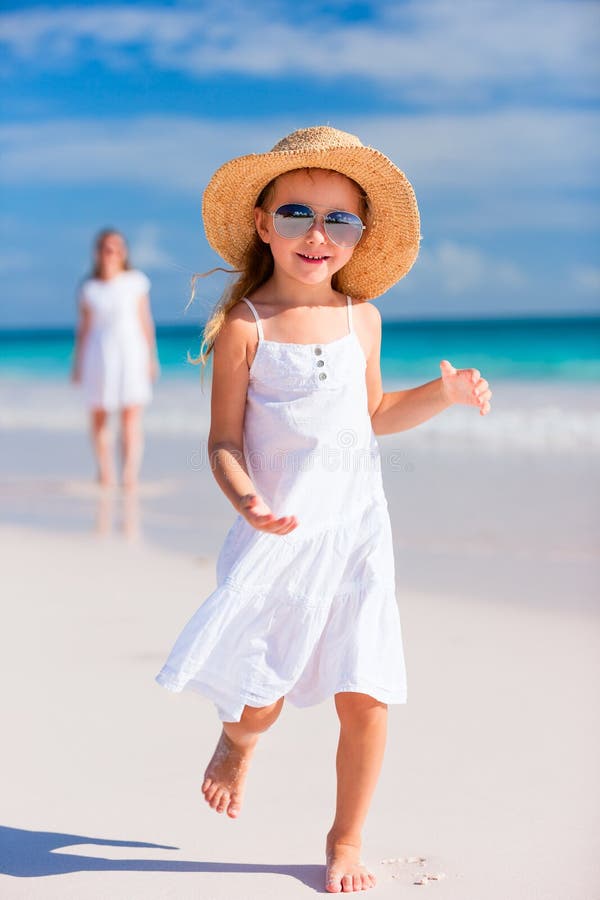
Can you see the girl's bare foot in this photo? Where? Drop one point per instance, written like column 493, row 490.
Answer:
column 225, row 776
column 345, row 871
column 106, row 479
column 129, row 482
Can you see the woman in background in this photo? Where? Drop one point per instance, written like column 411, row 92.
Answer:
column 115, row 357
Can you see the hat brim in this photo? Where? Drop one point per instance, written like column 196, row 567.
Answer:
column 390, row 244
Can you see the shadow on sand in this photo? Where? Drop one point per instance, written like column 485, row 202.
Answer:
column 32, row 854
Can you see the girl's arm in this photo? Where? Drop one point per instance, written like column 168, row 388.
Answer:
column 149, row 333
column 83, row 327
column 226, row 437
column 228, row 403
column 400, row 410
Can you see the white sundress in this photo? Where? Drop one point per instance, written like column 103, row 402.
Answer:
column 115, row 368
column 311, row 613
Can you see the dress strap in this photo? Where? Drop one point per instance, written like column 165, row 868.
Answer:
column 261, row 335
column 349, row 299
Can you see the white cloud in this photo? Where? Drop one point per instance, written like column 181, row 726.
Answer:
column 506, row 149
column 175, row 153
column 519, row 148
column 493, row 171
column 146, row 251
column 587, row 279
column 459, row 269
column 425, row 51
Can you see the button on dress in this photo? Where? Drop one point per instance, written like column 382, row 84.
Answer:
column 115, row 369
column 311, row 613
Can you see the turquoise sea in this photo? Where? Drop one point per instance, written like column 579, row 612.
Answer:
column 566, row 349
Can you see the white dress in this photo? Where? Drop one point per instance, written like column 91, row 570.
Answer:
column 115, row 356
column 311, row 613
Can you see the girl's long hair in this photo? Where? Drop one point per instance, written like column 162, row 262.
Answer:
column 98, row 240
column 256, row 268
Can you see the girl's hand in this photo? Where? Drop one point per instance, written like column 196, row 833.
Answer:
column 257, row 513
column 465, row 386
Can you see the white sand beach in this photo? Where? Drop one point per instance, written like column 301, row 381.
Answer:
column 491, row 774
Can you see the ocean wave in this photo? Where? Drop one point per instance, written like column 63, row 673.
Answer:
column 524, row 418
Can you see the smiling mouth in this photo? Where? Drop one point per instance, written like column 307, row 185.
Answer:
column 312, row 259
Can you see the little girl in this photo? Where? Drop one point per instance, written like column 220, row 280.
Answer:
column 305, row 605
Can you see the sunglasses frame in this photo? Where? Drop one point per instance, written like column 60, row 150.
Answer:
column 315, row 215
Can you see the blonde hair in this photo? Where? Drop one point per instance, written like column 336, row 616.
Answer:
column 256, row 268
column 98, row 241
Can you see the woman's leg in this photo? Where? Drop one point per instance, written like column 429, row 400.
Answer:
column 225, row 774
column 101, row 442
column 132, row 444
column 363, row 730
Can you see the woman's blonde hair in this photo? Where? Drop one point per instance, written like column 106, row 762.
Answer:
column 99, row 240
column 255, row 270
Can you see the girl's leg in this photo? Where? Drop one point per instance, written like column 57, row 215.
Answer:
column 363, row 730
column 99, row 421
column 225, row 774
column 132, row 444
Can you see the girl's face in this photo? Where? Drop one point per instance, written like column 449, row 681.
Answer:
column 111, row 253
column 312, row 258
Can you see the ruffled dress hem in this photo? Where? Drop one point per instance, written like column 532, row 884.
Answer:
column 232, row 712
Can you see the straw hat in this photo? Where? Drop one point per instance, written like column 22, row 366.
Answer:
column 388, row 247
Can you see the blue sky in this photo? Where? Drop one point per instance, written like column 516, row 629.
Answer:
column 117, row 114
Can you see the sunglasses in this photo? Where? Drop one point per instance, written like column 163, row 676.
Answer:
column 292, row 220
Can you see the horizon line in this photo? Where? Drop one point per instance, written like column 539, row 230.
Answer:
column 412, row 320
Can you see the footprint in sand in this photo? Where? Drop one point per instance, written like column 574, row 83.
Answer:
column 419, row 860
column 427, row 878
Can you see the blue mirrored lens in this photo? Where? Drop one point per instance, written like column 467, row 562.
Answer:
column 343, row 228
column 338, row 217
column 293, row 220
column 294, row 211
